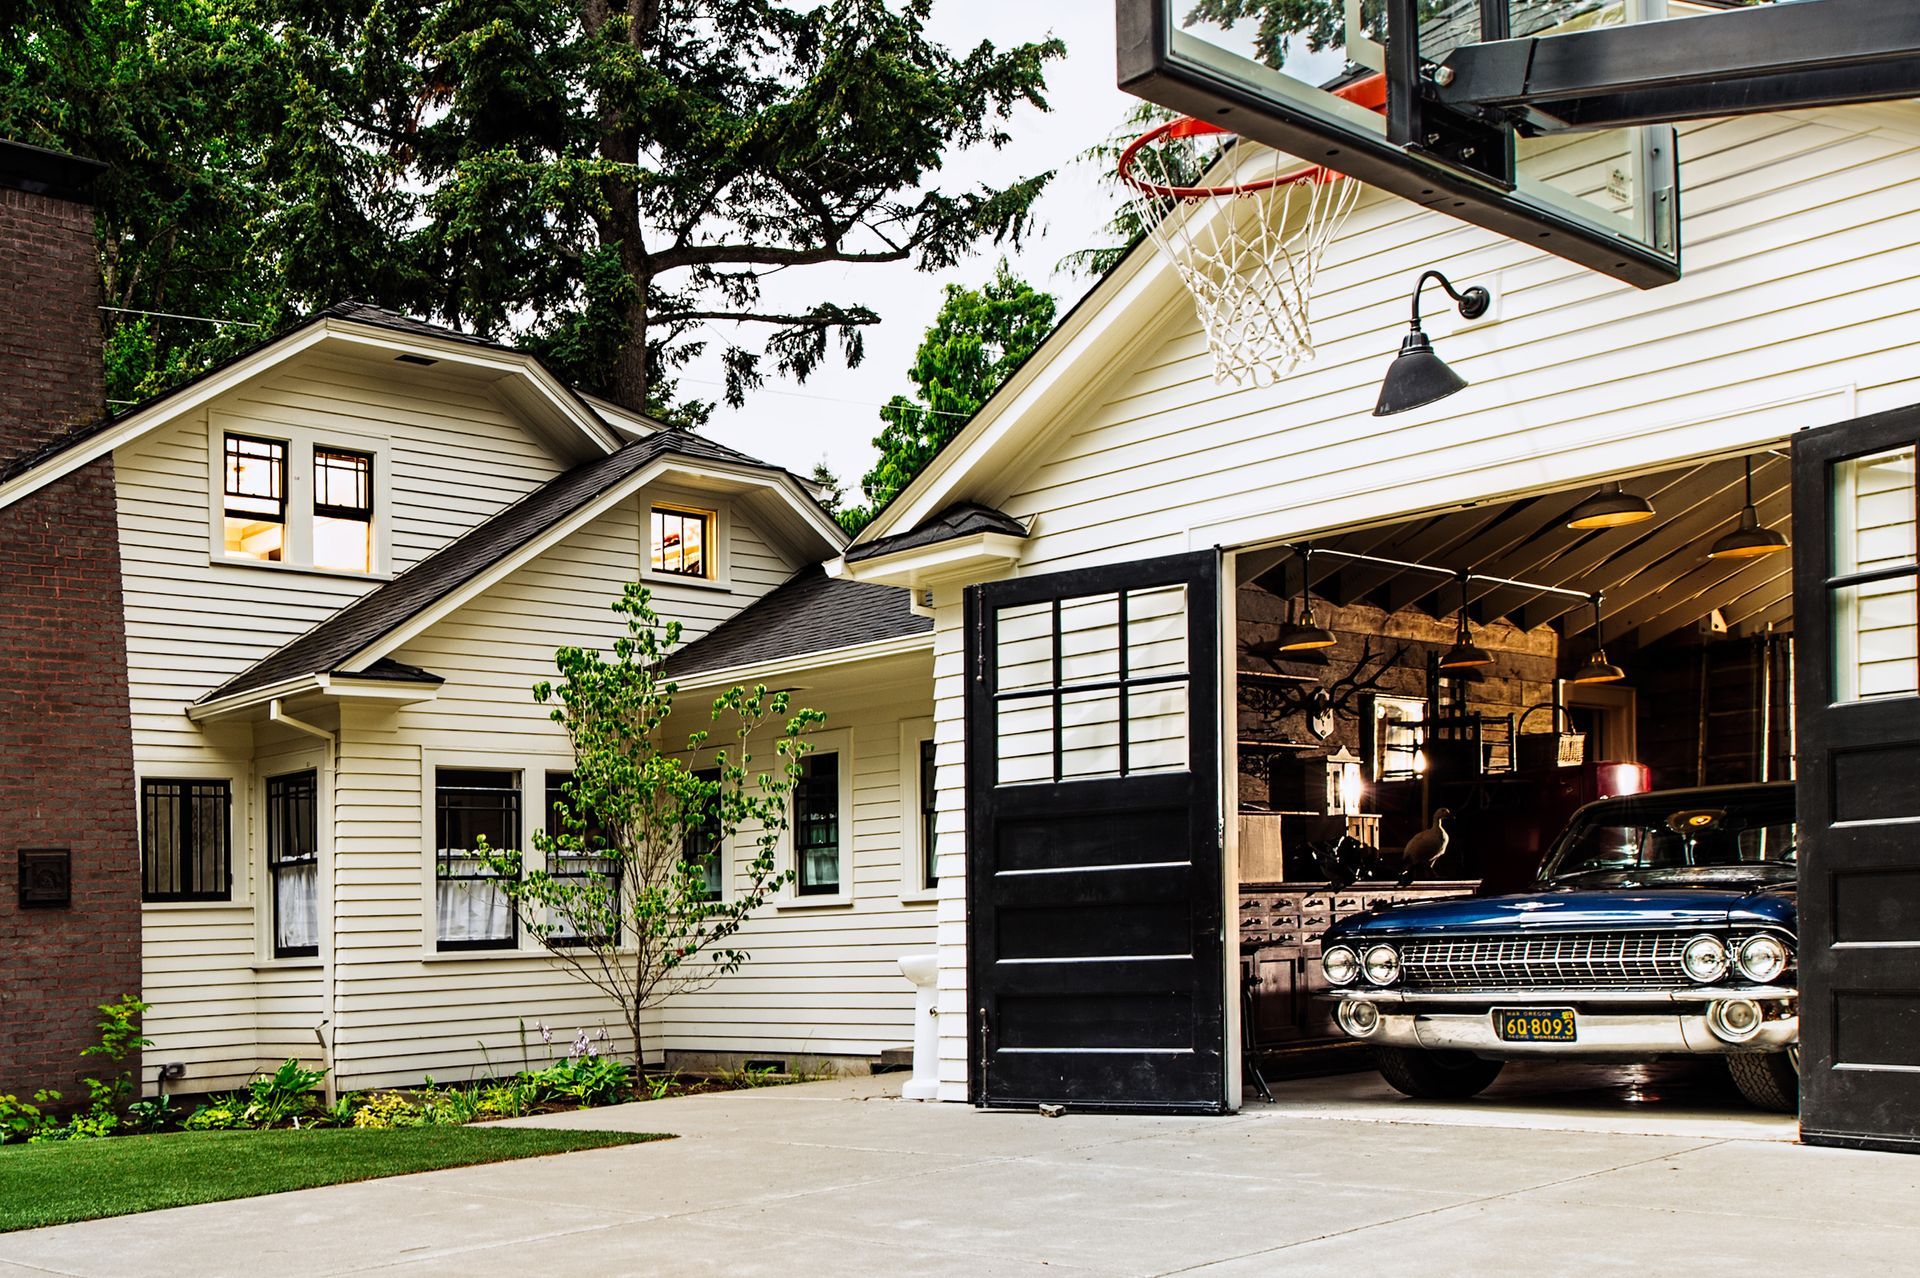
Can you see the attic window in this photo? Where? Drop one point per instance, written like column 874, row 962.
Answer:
column 256, row 497
column 682, row 541
column 342, row 510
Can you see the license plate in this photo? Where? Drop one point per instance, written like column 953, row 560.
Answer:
column 1534, row 1024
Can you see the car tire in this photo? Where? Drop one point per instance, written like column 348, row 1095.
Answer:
column 1769, row 1080
column 1435, row 1075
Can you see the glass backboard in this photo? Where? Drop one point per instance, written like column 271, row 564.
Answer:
column 1274, row 71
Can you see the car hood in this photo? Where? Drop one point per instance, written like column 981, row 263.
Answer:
column 1567, row 910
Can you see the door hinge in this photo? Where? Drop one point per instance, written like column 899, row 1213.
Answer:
column 985, row 1057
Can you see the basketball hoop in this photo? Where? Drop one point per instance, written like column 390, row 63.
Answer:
column 1248, row 249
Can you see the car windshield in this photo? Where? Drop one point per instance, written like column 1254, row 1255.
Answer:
column 1676, row 840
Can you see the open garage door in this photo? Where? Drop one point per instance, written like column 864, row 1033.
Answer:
column 1859, row 718
column 1096, row 969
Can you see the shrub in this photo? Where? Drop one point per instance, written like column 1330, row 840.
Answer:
column 389, row 1109
column 282, row 1095
column 22, row 1120
column 587, row 1080
column 221, row 1114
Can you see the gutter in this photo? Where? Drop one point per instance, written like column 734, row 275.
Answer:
column 327, row 1031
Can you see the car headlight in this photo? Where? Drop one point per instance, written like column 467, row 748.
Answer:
column 1341, row 965
column 1383, row 965
column 1705, row 959
column 1761, row 958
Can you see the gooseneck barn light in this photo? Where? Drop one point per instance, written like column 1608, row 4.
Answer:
column 1304, row 634
column 1417, row 376
column 1598, row 669
column 1465, row 653
column 1748, row 540
column 1611, row 507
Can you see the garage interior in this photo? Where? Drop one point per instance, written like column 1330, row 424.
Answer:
column 1452, row 662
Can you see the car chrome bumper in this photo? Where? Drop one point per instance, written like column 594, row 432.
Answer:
column 1622, row 1024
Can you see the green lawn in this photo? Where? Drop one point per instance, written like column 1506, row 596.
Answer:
column 86, row 1179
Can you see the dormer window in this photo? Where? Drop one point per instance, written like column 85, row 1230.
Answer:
column 342, row 510
column 683, row 541
column 256, row 498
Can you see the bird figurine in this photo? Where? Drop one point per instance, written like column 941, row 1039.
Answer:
column 1424, row 850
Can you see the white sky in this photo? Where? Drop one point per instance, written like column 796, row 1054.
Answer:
column 835, row 414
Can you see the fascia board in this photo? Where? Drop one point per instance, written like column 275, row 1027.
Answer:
column 919, row 566
column 761, row 672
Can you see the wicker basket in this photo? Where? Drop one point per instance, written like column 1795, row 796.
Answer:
column 1534, row 751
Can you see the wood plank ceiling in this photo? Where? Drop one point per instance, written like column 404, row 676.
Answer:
column 1655, row 575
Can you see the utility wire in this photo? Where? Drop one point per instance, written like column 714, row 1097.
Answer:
column 197, row 319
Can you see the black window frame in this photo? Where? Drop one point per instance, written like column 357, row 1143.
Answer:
column 808, row 790
column 442, row 854
column 711, row 834
column 709, row 523
column 557, row 780
column 279, row 454
column 359, row 514
column 186, row 793
column 929, row 835
column 284, row 792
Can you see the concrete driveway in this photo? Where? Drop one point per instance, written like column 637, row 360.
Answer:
column 841, row 1178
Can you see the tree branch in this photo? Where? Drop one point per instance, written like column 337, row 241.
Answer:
column 763, row 255
column 834, row 320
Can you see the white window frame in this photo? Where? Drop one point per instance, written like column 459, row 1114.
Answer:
column 240, row 877
column 914, row 890
column 300, row 441
column 265, row 770
column 720, row 532
column 836, row 742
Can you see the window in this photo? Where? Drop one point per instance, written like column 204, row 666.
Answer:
column 184, row 828
column 342, row 510
column 929, row 858
column 1397, row 727
column 702, row 845
column 816, row 826
column 1875, row 583
column 256, row 498
column 682, row 541
column 293, row 863
column 577, row 868
column 472, row 911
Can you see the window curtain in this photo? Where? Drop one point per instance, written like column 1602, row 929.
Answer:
column 296, row 901
column 471, row 909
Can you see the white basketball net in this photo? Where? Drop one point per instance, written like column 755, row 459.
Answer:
column 1247, row 252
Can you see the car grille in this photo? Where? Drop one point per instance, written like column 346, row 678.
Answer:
column 1562, row 962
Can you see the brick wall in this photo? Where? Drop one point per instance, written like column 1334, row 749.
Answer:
column 66, row 752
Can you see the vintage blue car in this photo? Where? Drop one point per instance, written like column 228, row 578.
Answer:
column 1662, row 924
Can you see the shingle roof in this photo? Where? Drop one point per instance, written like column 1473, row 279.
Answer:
column 383, row 610
column 962, row 519
column 809, row 613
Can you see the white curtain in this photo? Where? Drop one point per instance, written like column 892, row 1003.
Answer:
column 297, row 906
column 471, row 909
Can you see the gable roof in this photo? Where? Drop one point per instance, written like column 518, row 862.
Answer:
column 809, row 613
column 477, row 557
column 962, row 519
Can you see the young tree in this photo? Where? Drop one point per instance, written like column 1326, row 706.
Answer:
column 621, row 894
column 833, row 493
column 979, row 336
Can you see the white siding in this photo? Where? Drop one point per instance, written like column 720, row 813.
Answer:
column 221, row 1005
column 1797, row 308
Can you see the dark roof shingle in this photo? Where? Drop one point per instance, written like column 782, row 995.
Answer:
column 808, row 613
column 962, row 519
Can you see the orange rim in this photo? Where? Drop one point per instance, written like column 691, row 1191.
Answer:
column 1370, row 93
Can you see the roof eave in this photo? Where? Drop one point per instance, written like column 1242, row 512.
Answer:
column 921, row 567
column 253, row 703
column 753, row 672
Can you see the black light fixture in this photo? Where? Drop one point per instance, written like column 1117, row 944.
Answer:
column 1417, row 376
column 1465, row 653
column 1748, row 540
column 1611, row 507
column 1304, row 634
column 1598, row 669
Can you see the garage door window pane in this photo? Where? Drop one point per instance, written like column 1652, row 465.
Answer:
column 1876, row 623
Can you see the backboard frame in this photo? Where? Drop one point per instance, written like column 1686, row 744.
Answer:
column 1162, row 63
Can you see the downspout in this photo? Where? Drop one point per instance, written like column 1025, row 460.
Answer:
column 326, row 1030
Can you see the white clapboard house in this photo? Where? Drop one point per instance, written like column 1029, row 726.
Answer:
column 1031, row 661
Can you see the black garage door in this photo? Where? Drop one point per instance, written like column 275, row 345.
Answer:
column 1094, row 926
column 1856, row 618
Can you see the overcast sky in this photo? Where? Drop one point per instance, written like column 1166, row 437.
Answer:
column 834, row 415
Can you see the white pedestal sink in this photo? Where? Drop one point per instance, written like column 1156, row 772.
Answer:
column 924, row 971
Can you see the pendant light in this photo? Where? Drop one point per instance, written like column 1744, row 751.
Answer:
column 1611, row 507
column 1417, row 377
column 1305, row 634
column 1598, row 669
column 1748, row 540
column 1465, row 653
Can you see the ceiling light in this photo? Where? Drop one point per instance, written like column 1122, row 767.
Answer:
column 1417, row 376
column 1610, row 508
column 1748, row 540
column 1598, row 669
column 1465, row 653
column 1304, row 635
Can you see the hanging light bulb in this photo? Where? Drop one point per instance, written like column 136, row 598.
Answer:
column 1611, row 507
column 1465, row 653
column 1304, row 635
column 1748, row 540
column 1598, row 669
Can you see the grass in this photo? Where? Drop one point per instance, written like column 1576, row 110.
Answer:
column 54, row 1184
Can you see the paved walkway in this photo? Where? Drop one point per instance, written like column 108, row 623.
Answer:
column 840, row 1178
